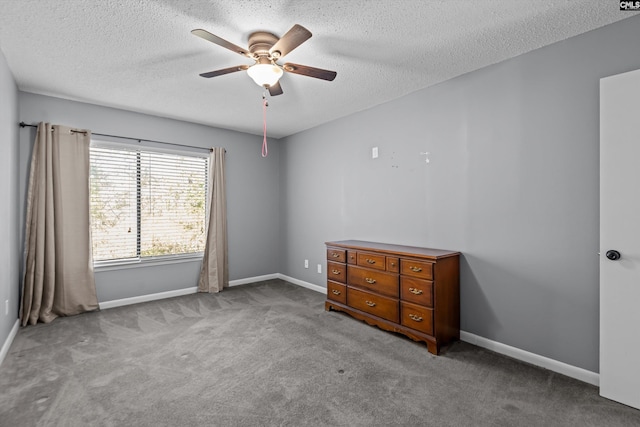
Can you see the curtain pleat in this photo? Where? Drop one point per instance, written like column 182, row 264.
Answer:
column 58, row 279
column 214, row 274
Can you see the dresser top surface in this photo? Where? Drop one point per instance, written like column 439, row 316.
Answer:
column 400, row 250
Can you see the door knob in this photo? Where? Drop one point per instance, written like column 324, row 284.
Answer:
column 613, row 255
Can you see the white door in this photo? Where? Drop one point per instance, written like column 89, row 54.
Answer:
column 620, row 231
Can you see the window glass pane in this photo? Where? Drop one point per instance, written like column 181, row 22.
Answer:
column 173, row 194
column 113, row 204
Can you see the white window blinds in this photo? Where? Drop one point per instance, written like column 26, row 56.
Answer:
column 146, row 203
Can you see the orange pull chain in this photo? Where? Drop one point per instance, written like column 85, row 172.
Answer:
column 265, row 104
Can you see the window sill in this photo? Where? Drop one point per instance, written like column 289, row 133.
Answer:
column 151, row 262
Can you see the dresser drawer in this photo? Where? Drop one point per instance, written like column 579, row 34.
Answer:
column 377, row 305
column 417, row 291
column 420, row 269
column 417, row 317
column 370, row 260
column 376, row 281
column 352, row 257
column 337, row 292
column 337, row 255
column 336, row 272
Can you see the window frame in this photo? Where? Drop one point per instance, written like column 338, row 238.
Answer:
column 145, row 261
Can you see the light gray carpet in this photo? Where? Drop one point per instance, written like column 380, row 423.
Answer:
column 268, row 354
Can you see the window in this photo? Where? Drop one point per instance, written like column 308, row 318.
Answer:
column 146, row 203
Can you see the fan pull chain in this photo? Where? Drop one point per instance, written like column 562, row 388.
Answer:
column 265, row 104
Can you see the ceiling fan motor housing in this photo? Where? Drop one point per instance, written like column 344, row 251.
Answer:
column 259, row 44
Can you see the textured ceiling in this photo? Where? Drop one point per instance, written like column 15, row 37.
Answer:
column 140, row 55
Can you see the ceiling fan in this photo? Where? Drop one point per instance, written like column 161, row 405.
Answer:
column 266, row 49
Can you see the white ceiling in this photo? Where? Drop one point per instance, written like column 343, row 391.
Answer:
column 140, row 55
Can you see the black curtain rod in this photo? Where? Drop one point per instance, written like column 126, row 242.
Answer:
column 23, row 125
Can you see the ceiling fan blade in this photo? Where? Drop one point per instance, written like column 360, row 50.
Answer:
column 291, row 40
column 275, row 89
column 224, row 71
column 204, row 34
column 318, row 73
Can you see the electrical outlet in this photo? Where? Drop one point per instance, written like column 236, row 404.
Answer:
column 374, row 153
column 6, row 307
column 319, row 268
column 306, row 263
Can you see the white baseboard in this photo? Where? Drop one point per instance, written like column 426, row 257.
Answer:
column 532, row 358
column 304, row 284
column 7, row 343
column 145, row 298
column 278, row 276
column 177, row 293
column 253, row 279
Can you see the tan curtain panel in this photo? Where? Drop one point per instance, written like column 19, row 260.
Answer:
column 58, row 279
column 214, row 274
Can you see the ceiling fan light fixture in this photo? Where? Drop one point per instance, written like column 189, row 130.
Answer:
column 265, row 74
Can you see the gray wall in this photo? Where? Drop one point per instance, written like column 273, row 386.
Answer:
column 252, row 190
column 9, row 252
column 512, row 184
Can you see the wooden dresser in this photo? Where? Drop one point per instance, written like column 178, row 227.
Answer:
column 409, row 290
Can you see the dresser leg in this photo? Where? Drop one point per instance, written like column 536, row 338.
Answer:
column 432, row 347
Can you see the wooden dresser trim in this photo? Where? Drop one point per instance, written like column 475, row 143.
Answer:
column 400, row 250
column 371, row 320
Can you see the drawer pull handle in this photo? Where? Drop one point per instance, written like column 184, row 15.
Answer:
column 415, row 291
column 370, row 303
column 370, row 281
column 336, row 292
column 416, row 269
column 370, row 261
column 335, row 255
column 393, row 264
column 335, row 271
column 415, row 318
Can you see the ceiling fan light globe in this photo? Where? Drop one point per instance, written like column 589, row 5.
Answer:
column 265, row 74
